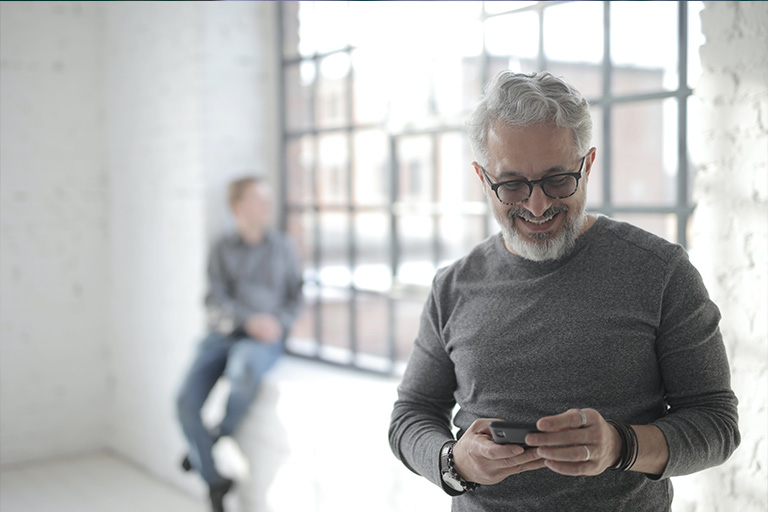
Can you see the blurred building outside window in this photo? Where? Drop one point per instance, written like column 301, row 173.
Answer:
column 378, row 190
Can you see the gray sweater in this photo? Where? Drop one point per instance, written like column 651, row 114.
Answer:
column 622, row 324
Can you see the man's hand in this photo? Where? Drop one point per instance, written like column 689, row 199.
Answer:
column 264, row 327
column 576, row 442
column 478, row 459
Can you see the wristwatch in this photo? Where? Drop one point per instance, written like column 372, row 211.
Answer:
column 454, row 484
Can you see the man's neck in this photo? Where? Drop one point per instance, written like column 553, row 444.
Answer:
column 252, row 236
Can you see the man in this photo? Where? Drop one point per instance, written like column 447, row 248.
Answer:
column 596, row 332
column 253, row 299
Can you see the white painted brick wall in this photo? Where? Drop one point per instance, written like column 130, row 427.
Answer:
column 53, row 231
column 730, row 238
column 186, row 111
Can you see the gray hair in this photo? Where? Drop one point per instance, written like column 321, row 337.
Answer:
column 525, row 100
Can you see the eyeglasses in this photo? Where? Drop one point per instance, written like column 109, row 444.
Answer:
column 556, row 186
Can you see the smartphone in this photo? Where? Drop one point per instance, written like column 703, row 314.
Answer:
column 504, row 432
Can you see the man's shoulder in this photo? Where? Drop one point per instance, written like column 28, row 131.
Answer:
column 475, row 264
column 623, row 237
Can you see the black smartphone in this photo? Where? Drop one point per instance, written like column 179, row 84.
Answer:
column 504, row 432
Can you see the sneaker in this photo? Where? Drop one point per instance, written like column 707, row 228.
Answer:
column 230, row 460
column 217, row 492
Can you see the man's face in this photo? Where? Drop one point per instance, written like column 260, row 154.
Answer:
column 539, row 228
column 254, row 208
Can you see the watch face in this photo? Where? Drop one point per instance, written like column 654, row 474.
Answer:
column 452, row 482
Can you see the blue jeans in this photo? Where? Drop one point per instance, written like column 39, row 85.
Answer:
column 244, row 361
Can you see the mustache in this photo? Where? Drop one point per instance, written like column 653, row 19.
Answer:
column 522, row 212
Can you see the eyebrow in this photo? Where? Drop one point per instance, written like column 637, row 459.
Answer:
column 514, row 174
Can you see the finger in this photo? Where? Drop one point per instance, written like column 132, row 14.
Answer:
column 524, row 458
column 570, row 468
column 561, row 438
column 577, row 453
column 482, row 425
column 572, row 418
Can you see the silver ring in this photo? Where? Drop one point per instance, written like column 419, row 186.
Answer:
column 586, row 458
column 583, row 417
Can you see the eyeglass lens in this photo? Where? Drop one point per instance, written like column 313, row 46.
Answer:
column 556, row 187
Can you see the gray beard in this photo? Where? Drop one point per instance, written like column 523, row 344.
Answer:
column 543, row 246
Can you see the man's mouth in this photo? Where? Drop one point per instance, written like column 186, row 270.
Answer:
column 540, row 221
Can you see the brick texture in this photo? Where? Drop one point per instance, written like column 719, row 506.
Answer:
column 729, row 243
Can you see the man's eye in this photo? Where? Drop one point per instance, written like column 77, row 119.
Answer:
column 513, row 186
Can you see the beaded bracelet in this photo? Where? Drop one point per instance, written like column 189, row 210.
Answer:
column 629, row 446
column 468, row 486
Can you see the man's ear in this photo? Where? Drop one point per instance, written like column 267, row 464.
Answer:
column 590, row 160
column 479, row 173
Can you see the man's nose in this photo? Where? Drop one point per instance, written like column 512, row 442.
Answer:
column 539, row 202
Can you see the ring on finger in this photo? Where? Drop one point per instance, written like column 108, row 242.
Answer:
column 586, row 449
column 583, row 417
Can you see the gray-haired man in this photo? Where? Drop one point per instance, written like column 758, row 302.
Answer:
column 595, row 331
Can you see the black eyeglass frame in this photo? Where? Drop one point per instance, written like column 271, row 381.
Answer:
column 531, row 183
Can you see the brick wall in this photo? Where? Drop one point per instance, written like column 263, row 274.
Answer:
column 53, row 231
column 187, row 108
column 729, row 243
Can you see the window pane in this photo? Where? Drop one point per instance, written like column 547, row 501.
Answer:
column 587, row 78
column 371, row 94
column 644, row 161
column 372, row 240
column 458, row 233
column 334, row 311
column 501, row 6
column 333, row 236
column 416, row 240
column 301, row 229
column 596, row 178
column 331, row 102
column 514, row 34
column 573, row 32
column 458, row 182
column 323, row 26
column 333, row 167
column 298, row 95
column 372, row 325
column 415, row 168
column 371, row 169
column 407, row 315
column 299, row 160
column 651, row 65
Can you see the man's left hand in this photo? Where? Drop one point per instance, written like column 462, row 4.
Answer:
column 576, row 442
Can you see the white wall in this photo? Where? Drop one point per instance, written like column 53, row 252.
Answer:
column 186, row 110
column 53, row 231
column 121, row 124
column 729, row 243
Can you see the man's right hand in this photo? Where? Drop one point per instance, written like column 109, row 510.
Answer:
column 477, row 458
column 264, row 327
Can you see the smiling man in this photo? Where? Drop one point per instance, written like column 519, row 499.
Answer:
column 596, row 337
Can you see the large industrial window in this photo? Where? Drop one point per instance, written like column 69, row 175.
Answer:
column 377, row 186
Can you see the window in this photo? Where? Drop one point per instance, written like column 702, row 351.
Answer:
column 378, row 190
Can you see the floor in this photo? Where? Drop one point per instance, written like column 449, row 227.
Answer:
column 96, row 482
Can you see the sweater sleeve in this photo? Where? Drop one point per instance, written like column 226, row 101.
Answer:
column 421, row 417
column 220, row 306
column 701, row 427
